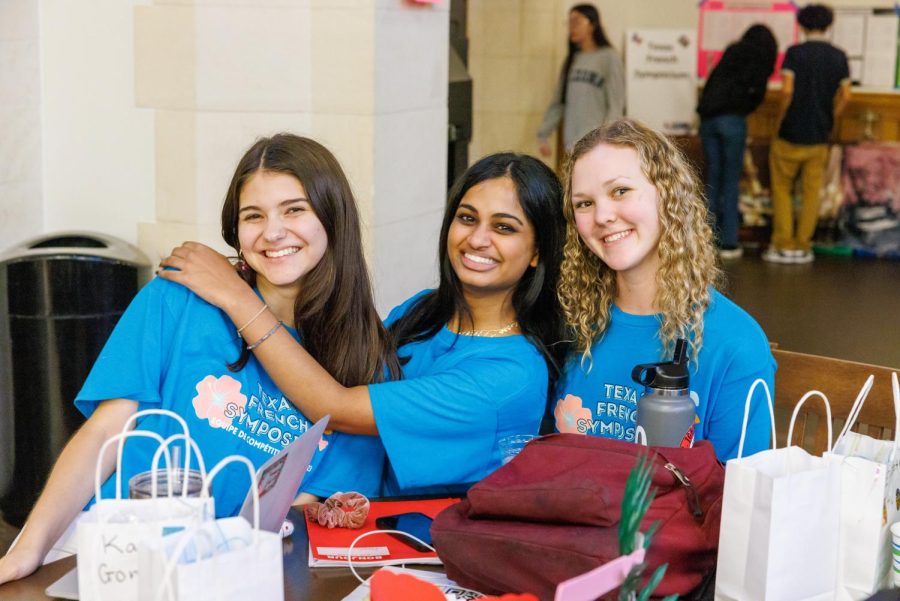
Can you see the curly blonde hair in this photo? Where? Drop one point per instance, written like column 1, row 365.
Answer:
column 687, row 258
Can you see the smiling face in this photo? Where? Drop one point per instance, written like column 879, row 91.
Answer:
column 280, row 236
column 490, row 243
column 616, row 210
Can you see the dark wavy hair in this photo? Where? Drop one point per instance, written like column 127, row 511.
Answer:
column 815, row 17
column 593, row 15
column 335, row 314
column 534, row 299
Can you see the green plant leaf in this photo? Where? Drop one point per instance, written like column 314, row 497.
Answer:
column 631, row 582
column 636, row 500
column 653, row 582
column 648, row 535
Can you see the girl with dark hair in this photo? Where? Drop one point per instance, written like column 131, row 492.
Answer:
column 479, row 353
column 734, row 89
column 591, row 86
column 291, row 217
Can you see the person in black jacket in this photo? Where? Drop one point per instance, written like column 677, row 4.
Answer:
column 733, row 90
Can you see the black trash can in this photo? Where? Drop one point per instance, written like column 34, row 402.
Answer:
column 60, row 297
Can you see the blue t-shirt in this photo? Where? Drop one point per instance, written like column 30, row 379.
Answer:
column 169, row 351
column 460, row 395
column 603, row 400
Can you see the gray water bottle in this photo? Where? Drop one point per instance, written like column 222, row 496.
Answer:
column 665, row 411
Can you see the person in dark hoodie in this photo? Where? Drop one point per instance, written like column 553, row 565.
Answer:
column 736, row 86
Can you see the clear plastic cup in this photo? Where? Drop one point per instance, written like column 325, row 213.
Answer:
column 141, row 485
column 895, row 545
column 511, row 445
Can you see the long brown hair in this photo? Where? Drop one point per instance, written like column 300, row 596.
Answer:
column 335, row 312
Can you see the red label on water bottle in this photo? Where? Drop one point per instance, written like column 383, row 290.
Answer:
column 688, row 441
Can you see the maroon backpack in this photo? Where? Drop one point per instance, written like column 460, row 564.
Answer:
column 552, row 513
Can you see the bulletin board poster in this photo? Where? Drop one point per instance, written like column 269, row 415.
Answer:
column 660, row 79
column 869, row 38
column 722, row 23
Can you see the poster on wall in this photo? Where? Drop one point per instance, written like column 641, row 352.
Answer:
column 723, row 23
column 869, row 39
column 660, row 78
column 881, row 50
column 849, row 34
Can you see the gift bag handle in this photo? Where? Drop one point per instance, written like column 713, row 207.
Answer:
column 154, row 470
column 790, row 434
column 856, row 409
column 753, row 386
column 857, row 406
column 166, row 413
column 254, row 486
column 640, row 436
column 164, row 586
column 120, row 439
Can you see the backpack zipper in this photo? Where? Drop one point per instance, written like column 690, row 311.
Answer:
column 693, row 498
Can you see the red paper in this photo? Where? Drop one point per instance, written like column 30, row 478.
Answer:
column 339, row 539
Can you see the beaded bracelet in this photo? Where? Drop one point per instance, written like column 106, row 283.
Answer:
column 252, row 319
column 265, row 336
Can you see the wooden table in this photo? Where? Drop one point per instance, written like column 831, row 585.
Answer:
column 300, row 582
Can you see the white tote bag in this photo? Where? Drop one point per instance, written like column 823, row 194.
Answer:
column 109, row 533
column 220, row 560
column 870, row 476
column 779, row 532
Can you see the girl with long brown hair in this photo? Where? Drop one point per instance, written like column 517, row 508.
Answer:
column 479, row 353
column 292, row 219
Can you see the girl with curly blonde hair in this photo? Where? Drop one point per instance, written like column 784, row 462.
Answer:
column 639, row 271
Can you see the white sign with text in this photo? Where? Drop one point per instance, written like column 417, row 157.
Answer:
column 661, row 78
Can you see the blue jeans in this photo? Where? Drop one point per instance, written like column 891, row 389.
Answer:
column 724, row 138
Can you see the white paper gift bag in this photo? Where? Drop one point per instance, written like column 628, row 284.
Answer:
column 109, row 534
column 779, row 532
column 221, row 560
column 870, row 503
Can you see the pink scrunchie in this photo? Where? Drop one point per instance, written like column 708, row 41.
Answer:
column 340, row 510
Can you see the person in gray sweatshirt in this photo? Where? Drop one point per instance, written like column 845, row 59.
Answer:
column 591, row 86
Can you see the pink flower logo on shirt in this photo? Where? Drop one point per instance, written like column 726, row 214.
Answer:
column 219, row 400
column 568, row 412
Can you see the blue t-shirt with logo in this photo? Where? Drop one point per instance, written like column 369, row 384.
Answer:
column 169, row 351
column 601, row 399
column 459, row 396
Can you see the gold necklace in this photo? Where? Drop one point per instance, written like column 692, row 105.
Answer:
column 493, row 333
